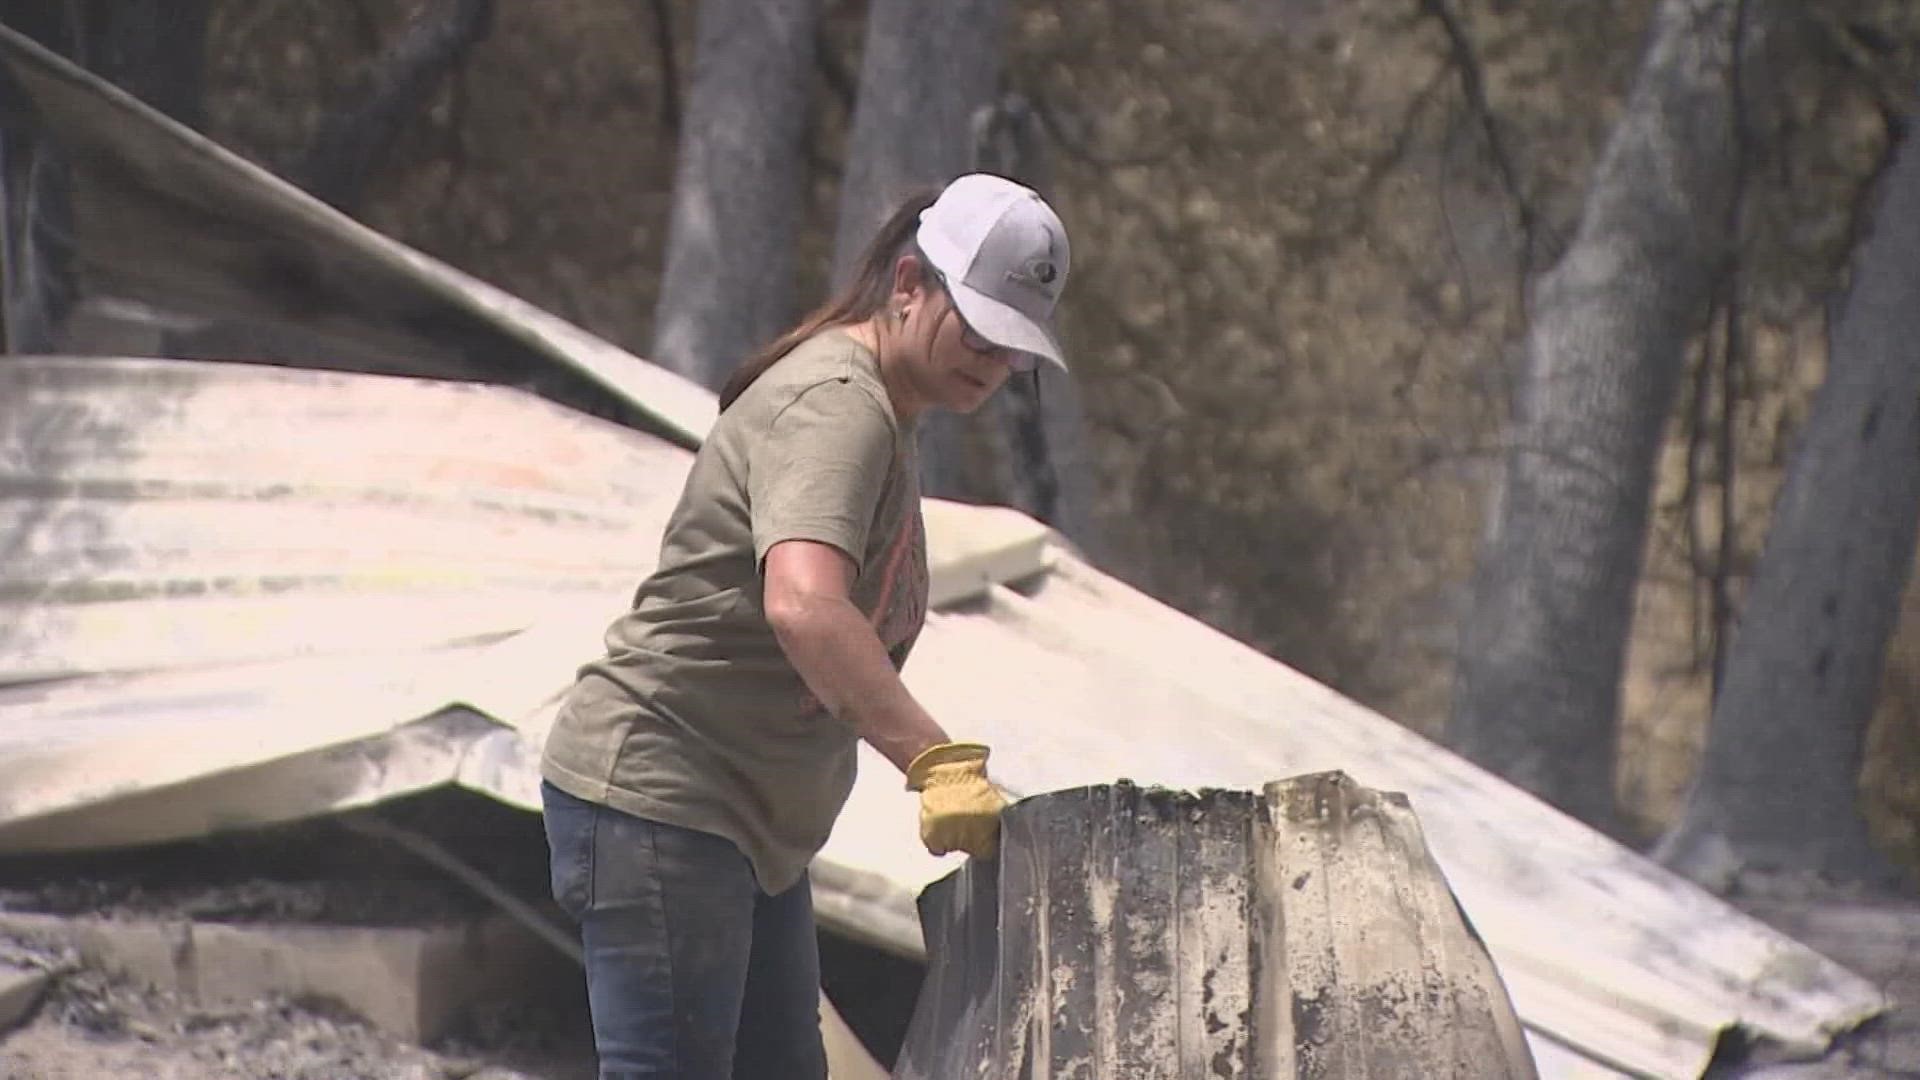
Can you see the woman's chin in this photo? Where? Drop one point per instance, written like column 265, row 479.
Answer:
column 969, row 394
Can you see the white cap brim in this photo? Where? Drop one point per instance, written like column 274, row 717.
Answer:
column 1005, row 325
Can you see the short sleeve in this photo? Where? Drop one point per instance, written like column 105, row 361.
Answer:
column 817, row 472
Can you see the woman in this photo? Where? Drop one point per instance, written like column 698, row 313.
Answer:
column 695, row 770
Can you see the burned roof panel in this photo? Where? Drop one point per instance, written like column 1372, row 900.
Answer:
column 214, row 253
column 168, row 513
column 211, row 710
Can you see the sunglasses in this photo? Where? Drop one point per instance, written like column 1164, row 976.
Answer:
column 1016, row 359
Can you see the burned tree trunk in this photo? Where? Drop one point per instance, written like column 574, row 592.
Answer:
column 354, row 137
column 737, row 188
column 1033, row 428
column 1777, row 786
column 927, row 67
column 927, row 112
column 1537, row 691
column 155, row 50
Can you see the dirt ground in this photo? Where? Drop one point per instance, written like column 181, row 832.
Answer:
column 90, row 1026
column 93, row 1027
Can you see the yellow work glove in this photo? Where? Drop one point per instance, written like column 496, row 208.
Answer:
column 959, row 807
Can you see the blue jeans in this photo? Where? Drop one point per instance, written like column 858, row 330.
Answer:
column 692, row 971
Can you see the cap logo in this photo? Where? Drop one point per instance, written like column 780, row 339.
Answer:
column 1040, row 272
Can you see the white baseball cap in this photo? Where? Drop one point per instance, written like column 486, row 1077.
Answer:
column 1004, row 256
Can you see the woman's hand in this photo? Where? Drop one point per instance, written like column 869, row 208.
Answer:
column 959, row 807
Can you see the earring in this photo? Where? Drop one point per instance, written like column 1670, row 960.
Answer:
column 901, row 314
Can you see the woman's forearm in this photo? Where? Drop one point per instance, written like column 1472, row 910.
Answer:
column 835, row 650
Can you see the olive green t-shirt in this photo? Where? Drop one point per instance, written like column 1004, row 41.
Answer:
column 695, row 717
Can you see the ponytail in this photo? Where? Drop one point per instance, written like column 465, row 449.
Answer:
column 860, row 300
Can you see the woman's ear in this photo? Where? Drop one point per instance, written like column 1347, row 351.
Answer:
column 909, row 279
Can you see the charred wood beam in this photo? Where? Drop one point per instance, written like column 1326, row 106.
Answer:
column 436, row 854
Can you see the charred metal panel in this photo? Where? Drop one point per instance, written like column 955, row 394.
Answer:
column 1122, row 931
column 178, row 240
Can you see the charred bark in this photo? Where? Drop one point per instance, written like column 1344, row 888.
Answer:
column 737, row 191
column 357, row 134
column 927, row 67
column 1537, row 691
column 1777, row 789
column 1034, row 427
column 155, row 50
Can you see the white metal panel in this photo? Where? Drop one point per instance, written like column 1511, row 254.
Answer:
column 70, row 744
column 165, row 514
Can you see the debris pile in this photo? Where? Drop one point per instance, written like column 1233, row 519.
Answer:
column 307, row 952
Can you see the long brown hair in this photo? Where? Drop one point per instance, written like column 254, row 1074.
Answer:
column 860, row 300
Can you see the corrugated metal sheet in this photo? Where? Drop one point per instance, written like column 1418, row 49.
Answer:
column 352, row 685
column 1151, row 934
column 1074, row 679
column 162, row 514
column 235, row 596
column 1602, row 949
column 258, row 562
